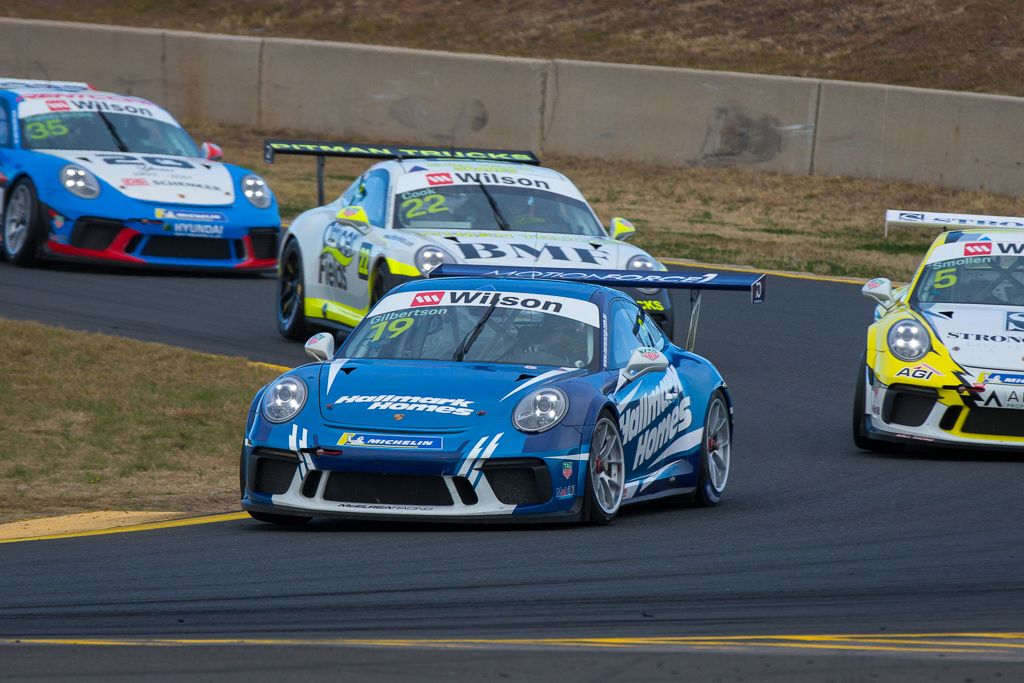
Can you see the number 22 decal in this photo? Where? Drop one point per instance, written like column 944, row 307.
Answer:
column 417, row 206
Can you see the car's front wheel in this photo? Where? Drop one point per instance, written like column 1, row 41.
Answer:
column 715, row 452
column 860, row 433
column 23, row 224
column 291, row 315
column 606, row 473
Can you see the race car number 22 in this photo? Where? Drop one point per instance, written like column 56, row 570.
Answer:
column 415, row 207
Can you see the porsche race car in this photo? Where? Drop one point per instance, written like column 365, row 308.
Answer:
column 503, row 395
column 944, row 364
column 97, row 176
column 418, row 208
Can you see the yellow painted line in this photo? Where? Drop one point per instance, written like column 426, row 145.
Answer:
column 776, row 273
column 148, row 526
column 82, row 521
column 903, row 643
column 261, row 364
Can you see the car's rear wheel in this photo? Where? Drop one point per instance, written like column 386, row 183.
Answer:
column 291, row 315
column 860, row 434
column 606, row 473
column 715, row 452
column 23, row 224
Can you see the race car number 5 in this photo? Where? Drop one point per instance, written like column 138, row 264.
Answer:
column 945, row 278
column 394, row 328
column 417, row 206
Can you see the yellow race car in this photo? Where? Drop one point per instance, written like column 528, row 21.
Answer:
column 944, row 363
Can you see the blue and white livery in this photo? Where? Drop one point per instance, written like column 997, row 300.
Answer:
column 96, row 176
column 508, row 395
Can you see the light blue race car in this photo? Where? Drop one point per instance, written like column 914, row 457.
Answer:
column 96, row 176
column 505, row 395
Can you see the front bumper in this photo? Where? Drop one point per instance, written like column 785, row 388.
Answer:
column 941, row 417
column 399, row 484
column 153, row 243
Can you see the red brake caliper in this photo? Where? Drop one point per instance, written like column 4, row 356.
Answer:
column 712, row 444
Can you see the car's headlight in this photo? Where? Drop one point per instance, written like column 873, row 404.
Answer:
column 79, row 182
column 540, row 410
column 430, row 257
column 643, row 262
column 909, row 340
column 256, row 191
column 284, row 399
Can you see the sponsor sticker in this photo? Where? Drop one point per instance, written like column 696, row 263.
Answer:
column 439, row 179
column 1015, row 322
column 1004, row 378
column 919, row 371
column 565, row 491
column 423, row 404
column 566, row 470
column 195, row 229
column 651, row 305
column 185, row 215
column 58, row 105
column 134, row 182
column 427, row 299
column 977, row 248
column 650, row 354
column 416, row 443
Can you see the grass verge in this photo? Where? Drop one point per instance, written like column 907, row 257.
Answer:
column 95, row 422
column 815, row 224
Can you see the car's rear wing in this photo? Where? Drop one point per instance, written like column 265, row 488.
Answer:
column 695, row 281
column 948, row 221
column 321, row 150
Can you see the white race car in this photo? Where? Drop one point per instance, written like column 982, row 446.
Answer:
column 419, row 208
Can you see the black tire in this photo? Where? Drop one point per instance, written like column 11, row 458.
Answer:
column 382, row 282
column 270, row 518
column 22, row 224
column 714, row 454
column 860, row 434
column 600, row 507
column 291, row 291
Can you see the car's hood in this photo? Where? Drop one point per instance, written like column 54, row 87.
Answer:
column 158, row 178
column 529, row 249
column 437, row 397
column 980, row 337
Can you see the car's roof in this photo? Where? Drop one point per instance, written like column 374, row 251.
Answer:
column 406, row 166
column 575, row 290
column 1001, row 234
column 16, row 88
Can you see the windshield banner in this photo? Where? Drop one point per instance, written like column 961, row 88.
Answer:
column 69, row 102
column 429, row 303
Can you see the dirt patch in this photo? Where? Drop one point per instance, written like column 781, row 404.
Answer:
column 948, row 44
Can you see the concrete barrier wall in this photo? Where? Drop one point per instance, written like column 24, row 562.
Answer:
column 667, row 116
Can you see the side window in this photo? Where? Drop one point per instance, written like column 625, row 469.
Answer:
column 349, row 195
column 651, row 334
column 622, row 339
column 372, row 195
column 5, row 124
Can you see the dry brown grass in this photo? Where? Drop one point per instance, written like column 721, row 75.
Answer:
column 950, row 44
column 823, row 225
column 94, row 422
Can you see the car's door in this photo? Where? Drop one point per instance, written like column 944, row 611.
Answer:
column 7, row 123
column 343, row 270
column 650, row 413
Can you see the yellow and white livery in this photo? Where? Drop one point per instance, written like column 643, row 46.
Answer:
column 945, row 356
column 417, row 208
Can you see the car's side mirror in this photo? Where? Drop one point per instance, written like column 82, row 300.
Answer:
column 211, row 151
column 879, row 289
column 321, row 346
column 643, row 362
column 620, row 229
column 354, row 217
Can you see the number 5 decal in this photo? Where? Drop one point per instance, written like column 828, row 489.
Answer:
column 945, row 278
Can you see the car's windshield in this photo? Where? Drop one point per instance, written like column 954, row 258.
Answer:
column 523, row 329
column 105, row 132
column 494, row 207
column 997, row 280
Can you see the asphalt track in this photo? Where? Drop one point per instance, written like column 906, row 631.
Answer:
column 813, row 537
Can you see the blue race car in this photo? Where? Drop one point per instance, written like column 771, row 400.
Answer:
column 96, row 176
column 506, row 395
